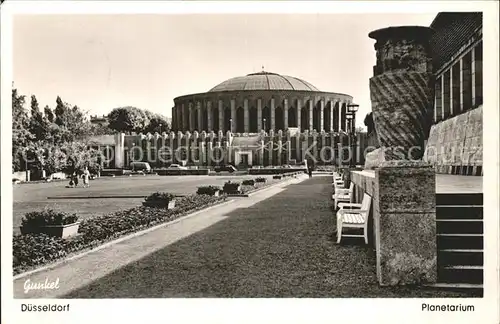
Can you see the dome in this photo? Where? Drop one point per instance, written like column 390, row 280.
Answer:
column 264, row 81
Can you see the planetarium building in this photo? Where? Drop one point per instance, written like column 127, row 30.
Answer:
column 261, row 101
column 260, row 119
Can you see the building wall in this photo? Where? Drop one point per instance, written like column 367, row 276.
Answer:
column 455, row 146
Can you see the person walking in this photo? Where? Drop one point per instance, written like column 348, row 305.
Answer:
column 75, row 179
column 86, row 178
column 310, row 171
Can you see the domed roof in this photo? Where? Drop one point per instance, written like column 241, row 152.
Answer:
column 264, row 81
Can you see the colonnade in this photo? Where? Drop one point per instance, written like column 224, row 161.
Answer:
column 254, row 115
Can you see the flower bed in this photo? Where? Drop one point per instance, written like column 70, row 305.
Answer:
column 34, row 250
column 160, row 200
column 208, row 190
column 50, row 222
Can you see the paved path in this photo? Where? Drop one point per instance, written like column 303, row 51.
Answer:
column 275, row 247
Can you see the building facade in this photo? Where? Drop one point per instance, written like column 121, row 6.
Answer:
column 261, row 101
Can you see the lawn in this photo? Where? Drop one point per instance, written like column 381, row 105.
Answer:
column 30, row 197
column 280, row 247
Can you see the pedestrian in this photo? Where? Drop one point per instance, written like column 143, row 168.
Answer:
column 310, row 172
column 75, row 178
column 86, row 178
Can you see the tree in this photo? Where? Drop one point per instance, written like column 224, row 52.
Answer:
column 21, row 135
column 157, row 123
column 60, row 112
column 48, row 114
column 39, row 126
column 127, row 119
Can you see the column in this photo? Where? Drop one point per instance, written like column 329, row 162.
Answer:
column 473, row 76
column 185, row 123
column 451, row 91
column 210, row 126
column 461, row 81
column 233, row 115
column 273, row 118
column 332, row 110
column 259, row 115
column 247, row 116
column 442, row 96
column 200, row 116
column 321, row 115
column 310, row 115
column 222, row 127
column 340, row 115
column 191, row 117
column 285, row 114
column 465, row 82
column 298, row 114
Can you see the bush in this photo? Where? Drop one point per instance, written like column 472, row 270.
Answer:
column 248, row 182
column 207, row 190
column 260, row 179
column 47, row 217
column 35, row 250
column 232, row 187
column 160, row 196
column 277, row 177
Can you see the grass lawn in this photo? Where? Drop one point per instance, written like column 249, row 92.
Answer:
column 31, row 197
column 280, row 247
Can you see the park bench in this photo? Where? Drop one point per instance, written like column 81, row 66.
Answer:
column 351, row 215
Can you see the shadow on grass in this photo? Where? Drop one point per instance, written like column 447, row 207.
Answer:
column 280, row 247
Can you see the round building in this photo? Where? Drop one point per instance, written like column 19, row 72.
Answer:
column 261, row 101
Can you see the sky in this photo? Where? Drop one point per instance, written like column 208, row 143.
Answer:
column 100, row 62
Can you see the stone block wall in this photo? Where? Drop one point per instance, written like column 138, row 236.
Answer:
column 455, row 146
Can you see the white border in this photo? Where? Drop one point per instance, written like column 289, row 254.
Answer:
column 263, row 310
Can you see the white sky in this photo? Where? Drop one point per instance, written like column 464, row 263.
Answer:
column 100, row 62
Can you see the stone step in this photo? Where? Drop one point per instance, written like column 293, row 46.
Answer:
column 459, row 226
column 461, row 274
column 465, row 257
column 459, row 241
column 475, row 199
column 459, row 212
column 467, row 287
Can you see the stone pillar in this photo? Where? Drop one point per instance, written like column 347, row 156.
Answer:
column 259, row 115
column 442, row 96
column 222, row 127
column 261, row 152
column 247, row 116
column 311, row 126
column 279, row 151
column 405, row 224
column 321, row 116
column 332, row 110
column 185, row 119
column 285, row 114
column 270, row 149
column 233, row 115
column 191, row 117
column 404, row 199
column 403, row 66
column 473, row 74
column 210, row 126
column 200, row 116
column 273, row 118
column 340, row 115
column 298, row 114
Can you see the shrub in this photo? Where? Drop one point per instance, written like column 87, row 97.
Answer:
column 248, row 182
column 276, row 177
column 207, row 190
column 231, row 187
column 48, row 217
column 39, row 249
column 260, row 179
column 160, row 196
